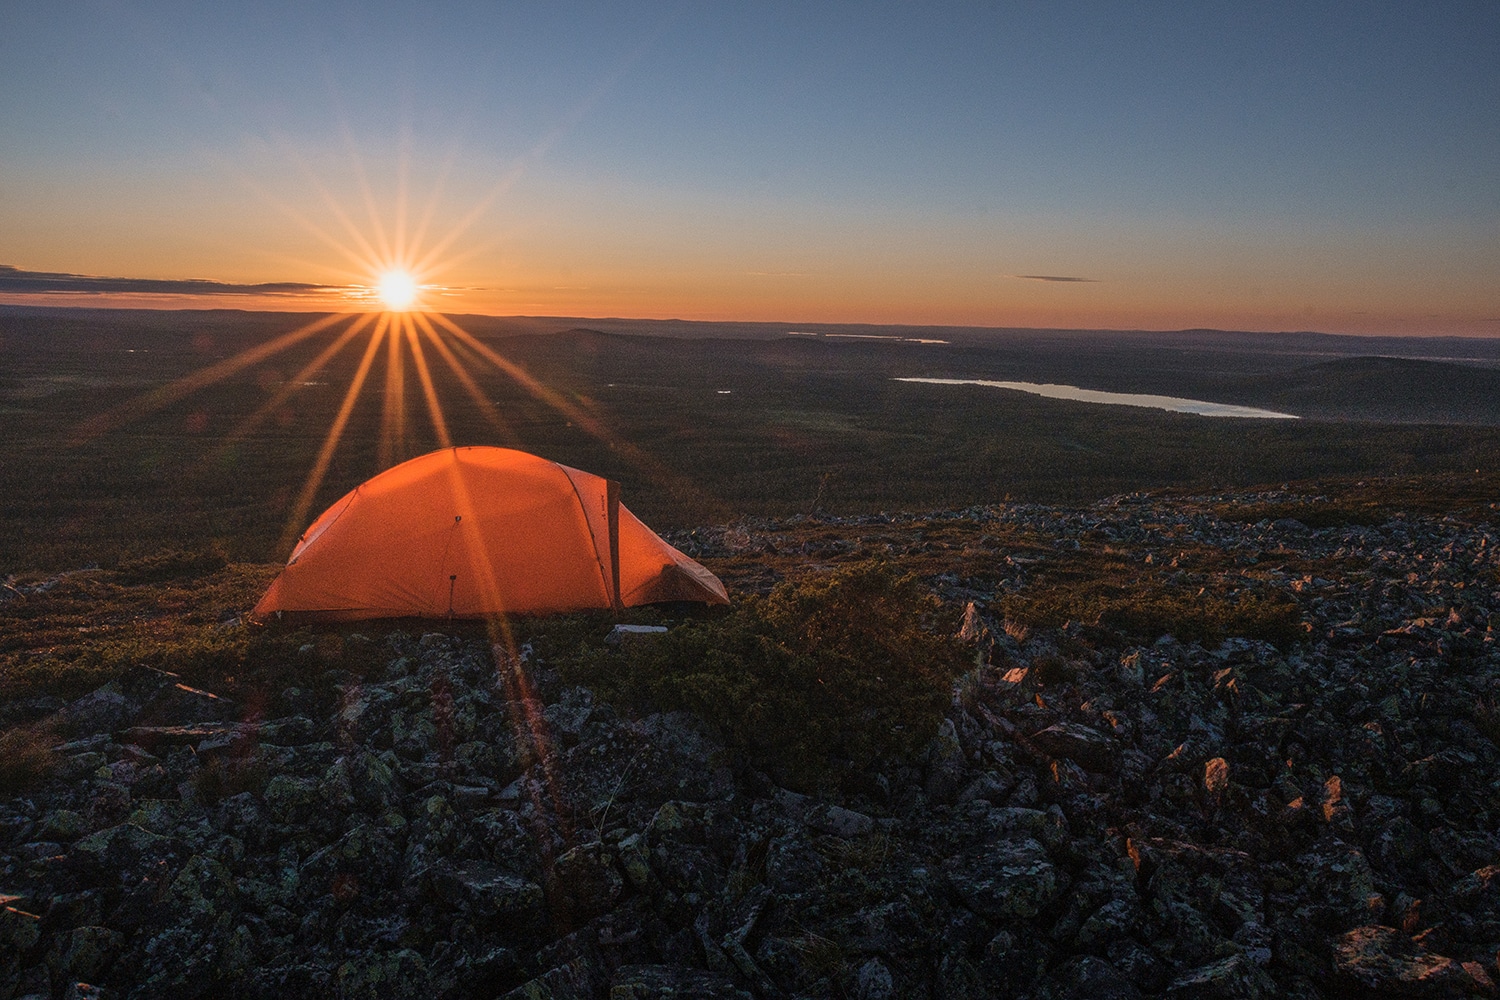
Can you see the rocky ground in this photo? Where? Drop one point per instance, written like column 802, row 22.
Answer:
column 1096, row 817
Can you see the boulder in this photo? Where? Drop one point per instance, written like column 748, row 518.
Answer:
column 584, row 883
column 484, row 891
column 1384, row 962
column 83, row 953
column 1078, row 743
column 1232, row 978
column 1006, row 880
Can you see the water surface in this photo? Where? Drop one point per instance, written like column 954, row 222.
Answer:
column 1175, row 404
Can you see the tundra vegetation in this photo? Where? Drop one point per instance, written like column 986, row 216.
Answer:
column 1016, row 698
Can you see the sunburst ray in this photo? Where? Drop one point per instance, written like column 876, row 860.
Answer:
column 297, row 519
column 434, row 406
column 392, row 444
column 270, row 406
column 487, row 408
column 158, row 399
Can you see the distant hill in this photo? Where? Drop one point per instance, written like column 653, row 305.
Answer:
column 1398, row 390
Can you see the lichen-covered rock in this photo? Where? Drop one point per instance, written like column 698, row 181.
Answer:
column 1006, row 880
column 484, row 891
column 84, row 953
column 396, row 975
column 584, row 883
column 1232, row 978
column 665, row 982
column 946, row 765
column 1385, row 962
column 874, row 980
column 1079, row 743
column 116, row 852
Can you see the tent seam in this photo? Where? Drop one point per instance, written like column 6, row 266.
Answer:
column 604, row 575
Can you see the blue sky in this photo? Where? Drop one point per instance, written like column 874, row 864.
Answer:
column 1266, row 166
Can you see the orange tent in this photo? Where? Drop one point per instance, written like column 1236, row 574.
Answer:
column 470, row 532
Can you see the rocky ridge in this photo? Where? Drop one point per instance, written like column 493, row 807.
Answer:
column 436, row 815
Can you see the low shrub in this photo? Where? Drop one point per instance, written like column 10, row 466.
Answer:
column 1144, row 611
column 26, row 758
column 819, row 678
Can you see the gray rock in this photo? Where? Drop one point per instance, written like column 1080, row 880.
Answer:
column 1232, row 978
column 947, row 767
column 101, row 710
column 874, row 981
column 484, row 890
column 838, row 821
column 1091, row 978
column 84, row 953
column 1006, row 880
column 1385, row 962
column 666, row 982
column 584, row 883
column 397, row 975
column 1078, row 743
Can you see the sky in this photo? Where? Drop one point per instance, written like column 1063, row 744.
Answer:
column 1261, row 166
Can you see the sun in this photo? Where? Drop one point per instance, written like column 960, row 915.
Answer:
column 397, row 289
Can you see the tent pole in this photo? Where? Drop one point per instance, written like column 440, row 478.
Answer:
column 612, row 501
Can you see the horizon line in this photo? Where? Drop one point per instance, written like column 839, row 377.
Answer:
column 791, row 324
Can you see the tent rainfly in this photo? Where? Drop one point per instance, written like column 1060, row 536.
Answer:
column 474, row 532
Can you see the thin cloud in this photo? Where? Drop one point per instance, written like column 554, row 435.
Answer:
column 1050, row 277
column 14, row 280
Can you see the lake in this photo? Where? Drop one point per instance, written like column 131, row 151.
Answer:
column 1175, row 404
